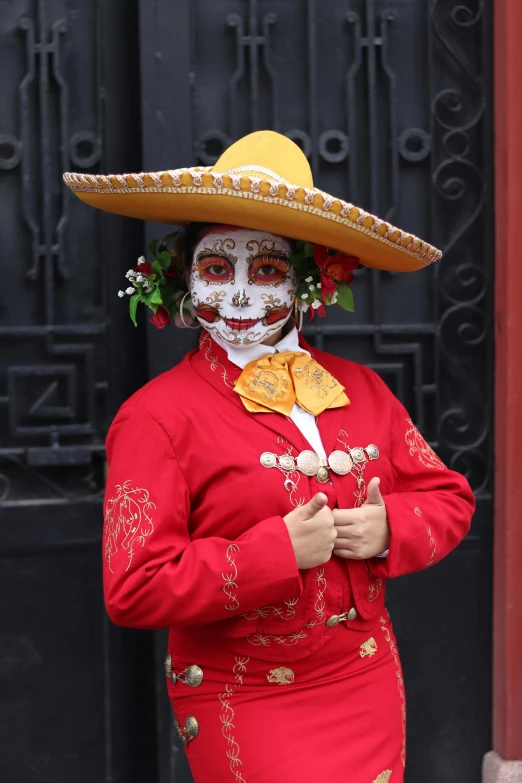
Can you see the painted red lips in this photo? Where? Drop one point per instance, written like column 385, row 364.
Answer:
column 241, row 324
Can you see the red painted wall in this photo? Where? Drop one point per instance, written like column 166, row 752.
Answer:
column 507, row 715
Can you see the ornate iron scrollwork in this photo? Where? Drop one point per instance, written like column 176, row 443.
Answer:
column 406, row 140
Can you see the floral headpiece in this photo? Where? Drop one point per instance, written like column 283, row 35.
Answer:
column 323, row 276
column 160, row 285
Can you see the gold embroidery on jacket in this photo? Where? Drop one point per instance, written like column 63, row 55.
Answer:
column 265, row 640
column 383, row 777
column 359, row 457
column 319, row 605
column 128, row 521
column 230, row 580
column 433, row 545
column 227, row 716
column 374, row 589
column 400, row 684
column 419, row 446
column 286, row 613
column 291, row 476
column 282, row 676
column 369, row 647
column 206, row 342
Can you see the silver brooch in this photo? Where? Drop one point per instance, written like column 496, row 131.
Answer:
column 310, row 464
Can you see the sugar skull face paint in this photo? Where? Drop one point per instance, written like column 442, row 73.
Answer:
column 242, row 284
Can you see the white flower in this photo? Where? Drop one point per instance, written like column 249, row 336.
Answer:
column 121, row 293
column 334, row 298
column 308, row 279
column 141, row 260
column 311, row 287
column 316, row 304
column 140, row 279
column 304, row 296
column 130, row 291
column 319, row 285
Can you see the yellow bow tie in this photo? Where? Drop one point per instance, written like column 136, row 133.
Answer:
column 277, row 381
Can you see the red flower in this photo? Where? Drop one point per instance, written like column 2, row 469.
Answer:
column 161, row 318
column 320, row 311
column 333, row 268
column 144, row 269
column 328, row 285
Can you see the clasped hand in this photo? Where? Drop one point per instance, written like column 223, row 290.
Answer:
column 357, row 533
column 362, row 532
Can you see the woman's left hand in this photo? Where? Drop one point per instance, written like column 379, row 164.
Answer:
column 363, row 532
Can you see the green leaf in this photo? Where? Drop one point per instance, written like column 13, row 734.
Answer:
column 155, row 297
column 133, row 306
column 308, row 250
column 345, row 297
column 153, row 247
column 164, row 259
column 156, row 268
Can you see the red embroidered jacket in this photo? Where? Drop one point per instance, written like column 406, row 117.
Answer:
column 194, row 537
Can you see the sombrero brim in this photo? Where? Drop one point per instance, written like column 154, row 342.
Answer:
column 200, row 194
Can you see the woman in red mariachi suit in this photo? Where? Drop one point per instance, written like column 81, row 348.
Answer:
column 261, row 492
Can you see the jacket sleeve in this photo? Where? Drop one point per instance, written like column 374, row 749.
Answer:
column 429, row 511
column 155, row 576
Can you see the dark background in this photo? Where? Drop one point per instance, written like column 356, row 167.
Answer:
column 392, row 103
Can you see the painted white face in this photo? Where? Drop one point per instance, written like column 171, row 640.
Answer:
column 242, row 284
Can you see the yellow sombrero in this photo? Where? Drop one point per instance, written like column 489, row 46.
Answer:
column 263, row 181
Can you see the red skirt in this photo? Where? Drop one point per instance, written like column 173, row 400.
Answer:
column 338, row 715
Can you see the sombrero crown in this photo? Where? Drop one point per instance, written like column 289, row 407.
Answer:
column 264, row 182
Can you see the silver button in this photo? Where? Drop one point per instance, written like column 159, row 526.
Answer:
column 194, row 676
column 333, row 621
column 267, row 459
column 191, row 727
column 352, row 614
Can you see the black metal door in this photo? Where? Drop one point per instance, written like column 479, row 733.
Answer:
column 391, row 102
column 74, row 690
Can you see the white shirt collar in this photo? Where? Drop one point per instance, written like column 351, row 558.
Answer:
column 242, row 356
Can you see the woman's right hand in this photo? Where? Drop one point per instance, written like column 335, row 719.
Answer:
column 312, row 532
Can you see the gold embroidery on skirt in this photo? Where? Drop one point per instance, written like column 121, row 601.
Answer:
column 383, row 777
column 368, row 647
column 400, row 685
column 227, row 716
column 282, row 676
